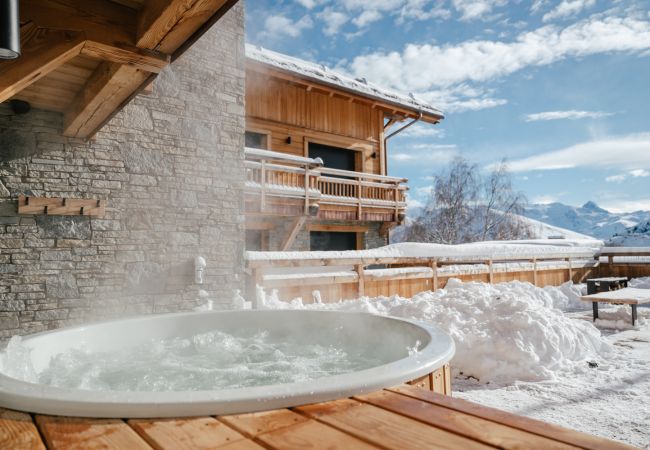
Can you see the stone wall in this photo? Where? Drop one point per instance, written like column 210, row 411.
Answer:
column 170, row 167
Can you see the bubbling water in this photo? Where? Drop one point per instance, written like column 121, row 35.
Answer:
column 207, row 361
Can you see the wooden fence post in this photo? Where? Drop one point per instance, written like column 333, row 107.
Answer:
column 434, row 268
column 570, row 269
column 535, row 271
column 362, row 281
column 491, row 274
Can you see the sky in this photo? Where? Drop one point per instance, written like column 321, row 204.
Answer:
column 559, row 88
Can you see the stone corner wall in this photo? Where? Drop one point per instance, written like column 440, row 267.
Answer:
column 170, row 167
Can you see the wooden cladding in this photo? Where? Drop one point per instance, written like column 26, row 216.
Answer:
column 279, row 101
column 61, row 206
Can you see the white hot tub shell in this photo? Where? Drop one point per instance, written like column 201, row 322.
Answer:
column 392, row 337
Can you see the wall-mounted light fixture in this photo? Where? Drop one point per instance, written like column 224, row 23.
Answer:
column 9, row 29
column 288, row 139
column 374, row 155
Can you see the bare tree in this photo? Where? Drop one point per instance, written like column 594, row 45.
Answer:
column 465, row 207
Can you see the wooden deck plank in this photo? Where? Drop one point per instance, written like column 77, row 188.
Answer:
column 482, row 430
column 253, row 424
column 18, row 432
column 194, row 433
column 384, row 428
column 312, row 435
column 88, row 434
column 526, row 424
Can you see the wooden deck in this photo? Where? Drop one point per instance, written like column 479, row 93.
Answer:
column 399, row 418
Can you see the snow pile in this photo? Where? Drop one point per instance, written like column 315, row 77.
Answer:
column 639, row 283
column 503, row 332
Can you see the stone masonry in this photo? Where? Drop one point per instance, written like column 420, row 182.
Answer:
column 170, row 168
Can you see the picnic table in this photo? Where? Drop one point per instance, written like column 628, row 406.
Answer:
column 625, row 296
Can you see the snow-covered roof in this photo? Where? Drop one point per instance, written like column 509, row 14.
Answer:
column 320, row 74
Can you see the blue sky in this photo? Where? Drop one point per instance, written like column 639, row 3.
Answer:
column 561, row 88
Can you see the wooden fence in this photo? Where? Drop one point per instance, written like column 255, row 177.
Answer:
column 339, row 278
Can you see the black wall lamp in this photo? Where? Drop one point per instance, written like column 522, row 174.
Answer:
column 9, row 29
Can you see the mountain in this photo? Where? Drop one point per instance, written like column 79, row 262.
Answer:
column 636, row 236
column 589, row 219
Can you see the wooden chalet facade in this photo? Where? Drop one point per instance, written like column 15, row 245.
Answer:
column 316, row 156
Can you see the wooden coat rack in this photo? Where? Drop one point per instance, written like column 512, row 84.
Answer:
column 54, row 206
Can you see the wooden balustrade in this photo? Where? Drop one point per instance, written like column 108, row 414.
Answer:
column 286, row 176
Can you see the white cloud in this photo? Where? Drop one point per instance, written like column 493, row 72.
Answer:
column 421, row 130
column 413, row 202
column 367, row 17
column 334, row 20
column 476, row 9
column 623, row 152
column 537, row 5
column 280, row 25
column 624, row 206
column 635, row 173
column 567, row 8
column 616, row 178
column 424, row 153
column 545, row 199
column 422, row 10
column 419, row 67
column 570, row 114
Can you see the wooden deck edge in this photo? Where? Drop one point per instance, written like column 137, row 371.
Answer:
column 534, row 426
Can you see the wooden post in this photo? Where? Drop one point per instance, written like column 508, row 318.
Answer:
column 570, row 269
column 396, row 202
column 307, row 183
column 362, row 281
column 491, row 275
column 535, row 271
column 434, row 281
column 359, row 198
column 263, row 186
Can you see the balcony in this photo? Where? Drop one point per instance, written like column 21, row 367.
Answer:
column 286, row 185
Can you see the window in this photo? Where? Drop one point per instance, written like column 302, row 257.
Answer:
column 256, row 140
column 332, row 240
column 334, row 157
column 257, row 240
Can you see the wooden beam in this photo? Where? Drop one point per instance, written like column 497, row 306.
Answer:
column 147, row 60
column 98, row 20
column 293, row 232
column 43, row 52
column 106, row 89
column 166, row 25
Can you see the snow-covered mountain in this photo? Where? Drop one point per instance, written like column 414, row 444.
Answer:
column 636, row 236
column 587, row 219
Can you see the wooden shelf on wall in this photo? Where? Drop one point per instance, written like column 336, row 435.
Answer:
column 56, row 206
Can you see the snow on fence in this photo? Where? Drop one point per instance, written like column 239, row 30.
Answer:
column 406, row 269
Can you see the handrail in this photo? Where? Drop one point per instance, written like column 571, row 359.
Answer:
column 350, row 173
column 257, row 153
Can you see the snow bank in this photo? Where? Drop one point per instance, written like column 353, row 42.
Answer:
column 503, row 332
column 639, row 283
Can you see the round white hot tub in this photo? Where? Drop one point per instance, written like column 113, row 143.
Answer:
column 190, row 364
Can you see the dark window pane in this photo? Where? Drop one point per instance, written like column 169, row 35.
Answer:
column 254, row 240
column 328, row 240
column 333, row 157
column 255, row 140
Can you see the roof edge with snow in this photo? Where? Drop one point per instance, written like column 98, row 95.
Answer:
column 320, row 74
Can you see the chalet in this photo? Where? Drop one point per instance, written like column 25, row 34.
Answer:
column 316, row 156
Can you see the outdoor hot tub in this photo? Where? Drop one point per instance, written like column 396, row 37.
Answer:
column 200, row 363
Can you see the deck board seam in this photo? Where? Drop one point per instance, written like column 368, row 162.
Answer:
column 41, row 435
column 563, row 440
column 447, row 430
column 359, row 437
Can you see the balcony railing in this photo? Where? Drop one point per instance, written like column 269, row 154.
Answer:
column 320, row 190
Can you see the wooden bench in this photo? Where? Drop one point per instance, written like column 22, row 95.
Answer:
column 400, row 418
column 625, row 296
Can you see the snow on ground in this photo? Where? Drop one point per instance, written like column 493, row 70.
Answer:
column 535, row 351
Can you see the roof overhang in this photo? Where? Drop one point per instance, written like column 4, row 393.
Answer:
column 88, row 58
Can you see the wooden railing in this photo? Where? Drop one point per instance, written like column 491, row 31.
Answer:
column 274, row 174
column 361, row 274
